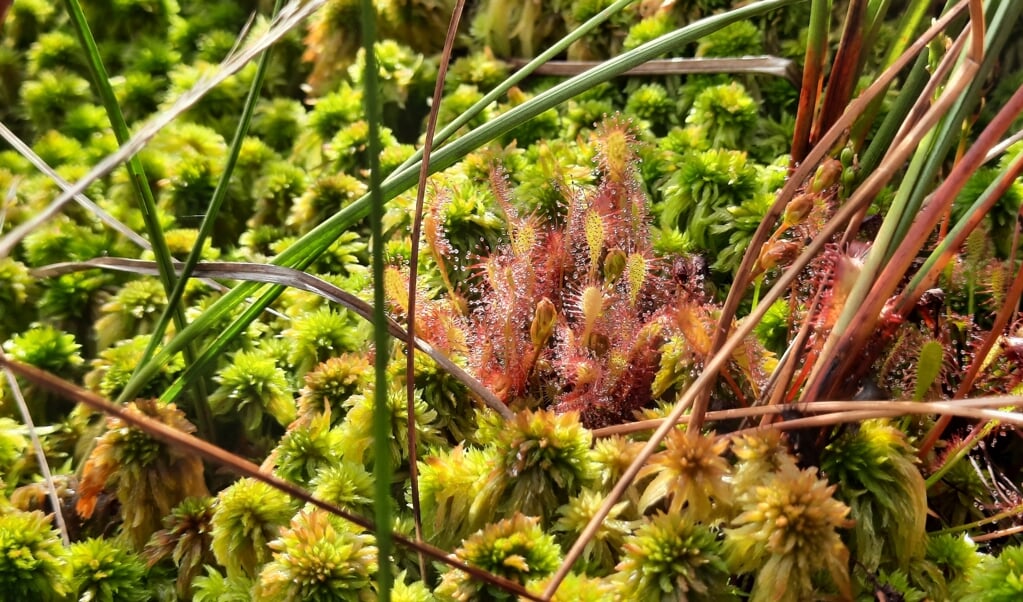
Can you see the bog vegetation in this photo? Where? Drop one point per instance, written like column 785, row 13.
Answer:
column 740, row 324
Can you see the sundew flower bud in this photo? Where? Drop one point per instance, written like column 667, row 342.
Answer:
column 544, row 319
column 797, row 209
column 827, row 175
column 773, row 254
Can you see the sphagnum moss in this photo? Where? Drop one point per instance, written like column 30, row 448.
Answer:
column 317, row 558
column 248, row 516
column 186, row 539
column 100, row 570
column 151, row 477
column 787, row 532
column 671, row 559
column 692, row 474
column 515, row 548
column 33, row 563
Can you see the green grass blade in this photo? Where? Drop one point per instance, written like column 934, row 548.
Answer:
column 950, row 130
column 305, row 250
column 147, row 203
column 885, row 135
column 291, row 17
column 382, row 468
column 209, row 219
column 916, row 184
column 961, row 229
column 911, row 19
column 813, row 72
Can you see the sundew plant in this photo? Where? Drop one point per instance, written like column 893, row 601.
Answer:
column 505, row 299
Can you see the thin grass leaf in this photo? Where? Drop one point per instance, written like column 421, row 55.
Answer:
column 846, row 411
column 209, row 219
column 291, row 17
column 12, row 238
column 37, row 447
column 994, row 518
column 144, row 194
column 413, row 289
column 763, row 65
column 272, row 274
column 867, row 313
column 147, row 202
column 845, row 69
column 743, row 275
column 382, row 469
column 911, row 19
column 813, row 76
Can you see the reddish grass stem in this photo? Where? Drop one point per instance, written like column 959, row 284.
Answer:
column 848, row 352
column 742, row 277
column 417, row 223
column 1005, row 314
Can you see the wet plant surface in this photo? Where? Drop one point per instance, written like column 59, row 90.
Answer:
column 740, row 323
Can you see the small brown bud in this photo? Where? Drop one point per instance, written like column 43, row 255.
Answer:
column 780, row 252
column 798, row 208
column 544, row 318
column 827, row 175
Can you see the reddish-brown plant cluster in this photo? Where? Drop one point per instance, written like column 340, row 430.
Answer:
column 572, row 314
